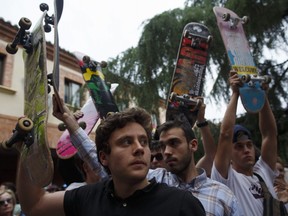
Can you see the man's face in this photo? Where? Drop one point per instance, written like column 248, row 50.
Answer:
column 243, row 155
column 157, row 159
column 129, row 159
column 6, row 204
column 178, row 154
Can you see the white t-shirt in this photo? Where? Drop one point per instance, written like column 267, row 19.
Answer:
column 247, row 189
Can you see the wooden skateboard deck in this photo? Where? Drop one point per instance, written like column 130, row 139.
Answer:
column 37, row 157
column 189, row 74
column 240, row 58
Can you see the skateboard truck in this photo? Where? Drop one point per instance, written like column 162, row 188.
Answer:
column 234, row 21
column 22, row 37
column 254, row 78
column 48, row 20
column 186, row 100
column 196, row 42
column 22, row 132
column 92, row 64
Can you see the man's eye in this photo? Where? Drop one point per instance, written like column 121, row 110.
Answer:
column 144, row 142
column 174, row 142
column 126, row 142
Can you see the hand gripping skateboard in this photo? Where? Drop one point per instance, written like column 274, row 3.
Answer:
column 230, row 26
column 65, row 148
column 189, row 75
column 35, row 155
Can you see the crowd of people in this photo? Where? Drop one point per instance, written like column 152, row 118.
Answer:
column 130, row 171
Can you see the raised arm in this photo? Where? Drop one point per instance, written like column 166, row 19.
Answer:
column 85, row 146
column 35, row 200
column 268, row 129
column 209, row 144
column 224, row 150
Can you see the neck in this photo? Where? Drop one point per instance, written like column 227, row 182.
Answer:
column 189, row 173
column 247, row 172
column 124, row 189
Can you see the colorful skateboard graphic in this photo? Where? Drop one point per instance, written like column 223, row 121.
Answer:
column 95, row 81
column 189, row 75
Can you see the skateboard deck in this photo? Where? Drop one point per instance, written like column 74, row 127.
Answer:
column 189, row 74
column 231, row 28
column 96, row 84
column 37, row 157
column 65, row 148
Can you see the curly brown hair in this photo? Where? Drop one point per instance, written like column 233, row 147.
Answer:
column 120, row 120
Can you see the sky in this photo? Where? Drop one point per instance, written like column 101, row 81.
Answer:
column 101, row 29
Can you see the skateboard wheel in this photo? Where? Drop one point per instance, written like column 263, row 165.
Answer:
column 267, row 79
column 246, row 78
column 43, row 7
column 109, row 114
column 25, row 124
column 186, row 33
column 61, row 127
column 11, row 49
column 25, row 23
column 83, row 125
column 103, row 64
column 209, row 39
column 47, row 28
column 173, row 96
column 226, row 17
column 245, row 19
column 86, row 59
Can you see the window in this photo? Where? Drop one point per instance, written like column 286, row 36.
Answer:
column 72, row 93
column 2, row 62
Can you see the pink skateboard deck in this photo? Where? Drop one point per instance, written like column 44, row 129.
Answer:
column 241, row 60
column 65, row 149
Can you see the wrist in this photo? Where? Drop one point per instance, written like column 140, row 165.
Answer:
column 201, row 124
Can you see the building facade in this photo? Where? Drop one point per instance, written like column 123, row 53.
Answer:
column 12, row 95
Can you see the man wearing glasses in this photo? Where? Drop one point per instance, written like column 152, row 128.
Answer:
column 157, row 160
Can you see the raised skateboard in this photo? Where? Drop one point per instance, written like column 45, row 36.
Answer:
column 96, row 84
column 231, row 28
column 185, row 94
column 34, row 155
column 53, row 80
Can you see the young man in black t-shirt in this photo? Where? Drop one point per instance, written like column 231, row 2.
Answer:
column 123, row 149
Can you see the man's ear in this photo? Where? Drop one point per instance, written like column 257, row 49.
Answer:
column 193, row 144
column 103, row 158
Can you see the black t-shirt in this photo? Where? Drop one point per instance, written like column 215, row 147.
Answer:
column 154, row 199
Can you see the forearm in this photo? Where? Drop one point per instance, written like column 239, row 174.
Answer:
column 210, row 149
column 28, row 193
column 268, row 129
column 224, row 148
column 267, row 123
column 87, row 151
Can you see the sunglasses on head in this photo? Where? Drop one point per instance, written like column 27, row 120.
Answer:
column 158, row 156
column 3, row 202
